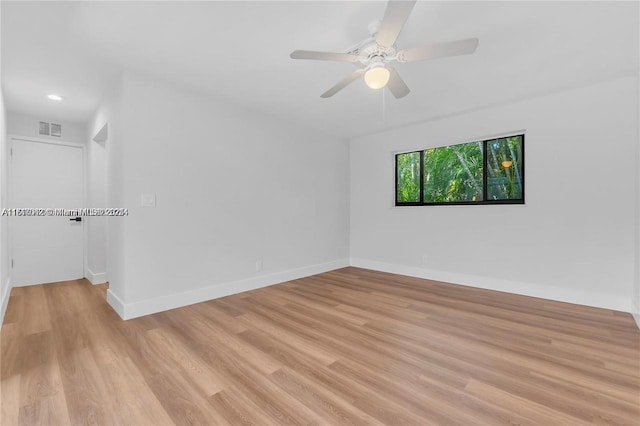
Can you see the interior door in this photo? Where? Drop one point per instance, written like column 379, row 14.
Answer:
column 46, row 248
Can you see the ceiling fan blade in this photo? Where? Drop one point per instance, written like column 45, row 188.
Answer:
column 324, row 56
column 344, row 83
column 395, row 16
column 434, row 51
column 396, row 85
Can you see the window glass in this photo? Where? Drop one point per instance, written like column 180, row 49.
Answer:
column 408, row 177
column 504, row 168
column 453, row 173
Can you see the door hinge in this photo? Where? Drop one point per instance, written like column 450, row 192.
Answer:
column 11, row 263
column 11, row 150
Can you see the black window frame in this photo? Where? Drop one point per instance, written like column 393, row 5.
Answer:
column 484, row 200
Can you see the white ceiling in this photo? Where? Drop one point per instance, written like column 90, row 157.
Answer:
column 239, row 52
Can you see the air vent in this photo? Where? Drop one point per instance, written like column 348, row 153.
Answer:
column 56, row 130
column 49, row 129
column 43, row 128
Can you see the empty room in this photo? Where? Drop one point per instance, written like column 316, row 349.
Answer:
column 386, row 212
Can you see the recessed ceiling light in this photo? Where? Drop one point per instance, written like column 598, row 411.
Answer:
column 55, row 97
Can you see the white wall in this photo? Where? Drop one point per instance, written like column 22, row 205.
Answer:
column 26, row 125
column 105, row 239
column 233, row 187
column 101, row 134
column 572, row 241
column 96, row 240
column 5, row 284
column 636, row 288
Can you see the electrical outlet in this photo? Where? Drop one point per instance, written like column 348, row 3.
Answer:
column 425, row 259
column 258, row 265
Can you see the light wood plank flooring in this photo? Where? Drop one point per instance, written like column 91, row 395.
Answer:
column 347, row 347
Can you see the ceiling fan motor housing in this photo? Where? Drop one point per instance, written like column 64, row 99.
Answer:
column 374, row 53
column 376, row 61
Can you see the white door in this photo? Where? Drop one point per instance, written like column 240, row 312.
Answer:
column 46, row 248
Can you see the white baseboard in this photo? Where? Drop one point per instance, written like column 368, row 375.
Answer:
column 117, row 304
column 5, row 300
column 96, row 278
column 172, row 301
column 579, row 297
column 636, row 317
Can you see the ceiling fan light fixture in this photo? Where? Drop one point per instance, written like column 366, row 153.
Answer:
column 377, row 77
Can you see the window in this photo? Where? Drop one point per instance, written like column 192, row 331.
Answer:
column 485, row 172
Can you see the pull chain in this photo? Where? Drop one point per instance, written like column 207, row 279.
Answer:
column 383, row 104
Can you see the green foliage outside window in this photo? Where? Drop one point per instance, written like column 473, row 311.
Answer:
column 453, row 173
column 504, row 168
column 462, row 174
column 408, row 172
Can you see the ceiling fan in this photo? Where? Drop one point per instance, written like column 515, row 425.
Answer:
column 374, row 55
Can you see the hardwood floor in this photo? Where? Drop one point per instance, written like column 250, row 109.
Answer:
column 346, row 347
